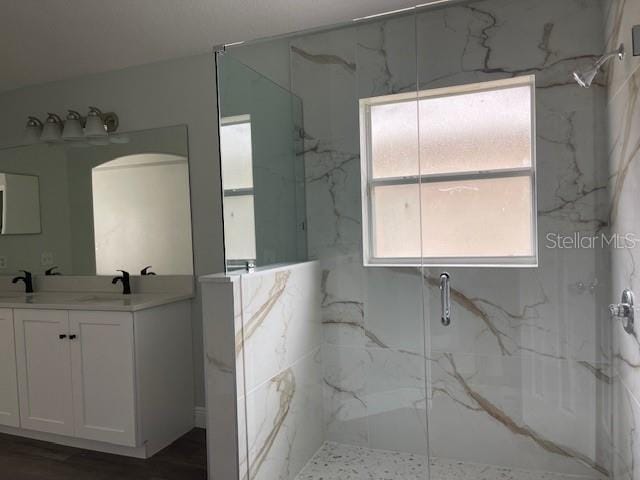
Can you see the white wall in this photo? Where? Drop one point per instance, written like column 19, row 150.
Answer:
column 176, row 92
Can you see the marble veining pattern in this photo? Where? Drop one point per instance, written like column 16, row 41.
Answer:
column 522, row 377
column 278, row 346
column 623, row 110
column 344, row 462
column 533, row 362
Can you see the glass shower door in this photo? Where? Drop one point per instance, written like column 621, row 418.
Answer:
column 519, row 382
column 373, row 353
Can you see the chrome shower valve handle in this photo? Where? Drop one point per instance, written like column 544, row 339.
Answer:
column 625, row 311
column 445, row 298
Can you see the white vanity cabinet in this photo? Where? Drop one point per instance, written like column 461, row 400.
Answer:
column 76, row 373
column 9, row 411
column 104, row 378
column 44, row 370
column 102, row 373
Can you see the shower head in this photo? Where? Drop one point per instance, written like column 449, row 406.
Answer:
column 585, row 77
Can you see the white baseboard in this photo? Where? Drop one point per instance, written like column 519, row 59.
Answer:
column 200, row 417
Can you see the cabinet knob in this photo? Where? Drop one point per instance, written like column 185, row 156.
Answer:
column 72, row 336
column 62, row 336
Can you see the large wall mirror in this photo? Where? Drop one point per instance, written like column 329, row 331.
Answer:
column 94, row 209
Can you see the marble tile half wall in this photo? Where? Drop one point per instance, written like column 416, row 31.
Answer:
column 262, row 342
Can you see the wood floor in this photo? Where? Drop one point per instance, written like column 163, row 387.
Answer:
column 25, row 459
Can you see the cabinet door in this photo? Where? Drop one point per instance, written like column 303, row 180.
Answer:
column 44, row 370
column 9, row 411
column 103, row 376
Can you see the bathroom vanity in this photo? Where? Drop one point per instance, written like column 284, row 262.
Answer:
column 101, row 371
column 83, row 361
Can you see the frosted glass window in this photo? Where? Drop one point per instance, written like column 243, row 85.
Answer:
column 394, row 139
column 449, row 176
column 476, row 131
column 477, row 218
column 397, row 221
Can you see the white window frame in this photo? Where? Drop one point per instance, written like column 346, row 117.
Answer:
column 368, row 182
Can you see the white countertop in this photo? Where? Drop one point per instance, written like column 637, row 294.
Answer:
column 89, row 300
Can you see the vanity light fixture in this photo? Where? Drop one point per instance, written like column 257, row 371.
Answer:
column 96, row 126
column 73, row 127
column 33, row 130
column 52, row 130
column 94, row 129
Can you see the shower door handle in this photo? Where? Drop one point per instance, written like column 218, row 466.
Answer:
column 445, row 298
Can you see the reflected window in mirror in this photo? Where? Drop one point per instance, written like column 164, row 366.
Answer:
column 237, row 183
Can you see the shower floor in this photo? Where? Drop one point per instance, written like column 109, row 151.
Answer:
column 335, row 461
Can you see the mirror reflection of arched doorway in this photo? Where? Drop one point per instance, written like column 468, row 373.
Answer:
column 144, row 197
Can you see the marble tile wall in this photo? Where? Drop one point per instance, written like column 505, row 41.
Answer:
column 623, row 110
column 271, row 372
column 281, row 339
column 224, row 382
column 522, row 377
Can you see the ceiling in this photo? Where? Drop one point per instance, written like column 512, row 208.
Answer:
column 42, row 41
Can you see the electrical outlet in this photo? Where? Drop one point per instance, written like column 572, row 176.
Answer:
column 3, row 262
column 46, row 259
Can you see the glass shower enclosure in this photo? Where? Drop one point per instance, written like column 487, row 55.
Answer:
column 476, row 157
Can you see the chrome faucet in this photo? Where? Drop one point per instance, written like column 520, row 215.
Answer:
column 126, row 283
column 27, row 278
